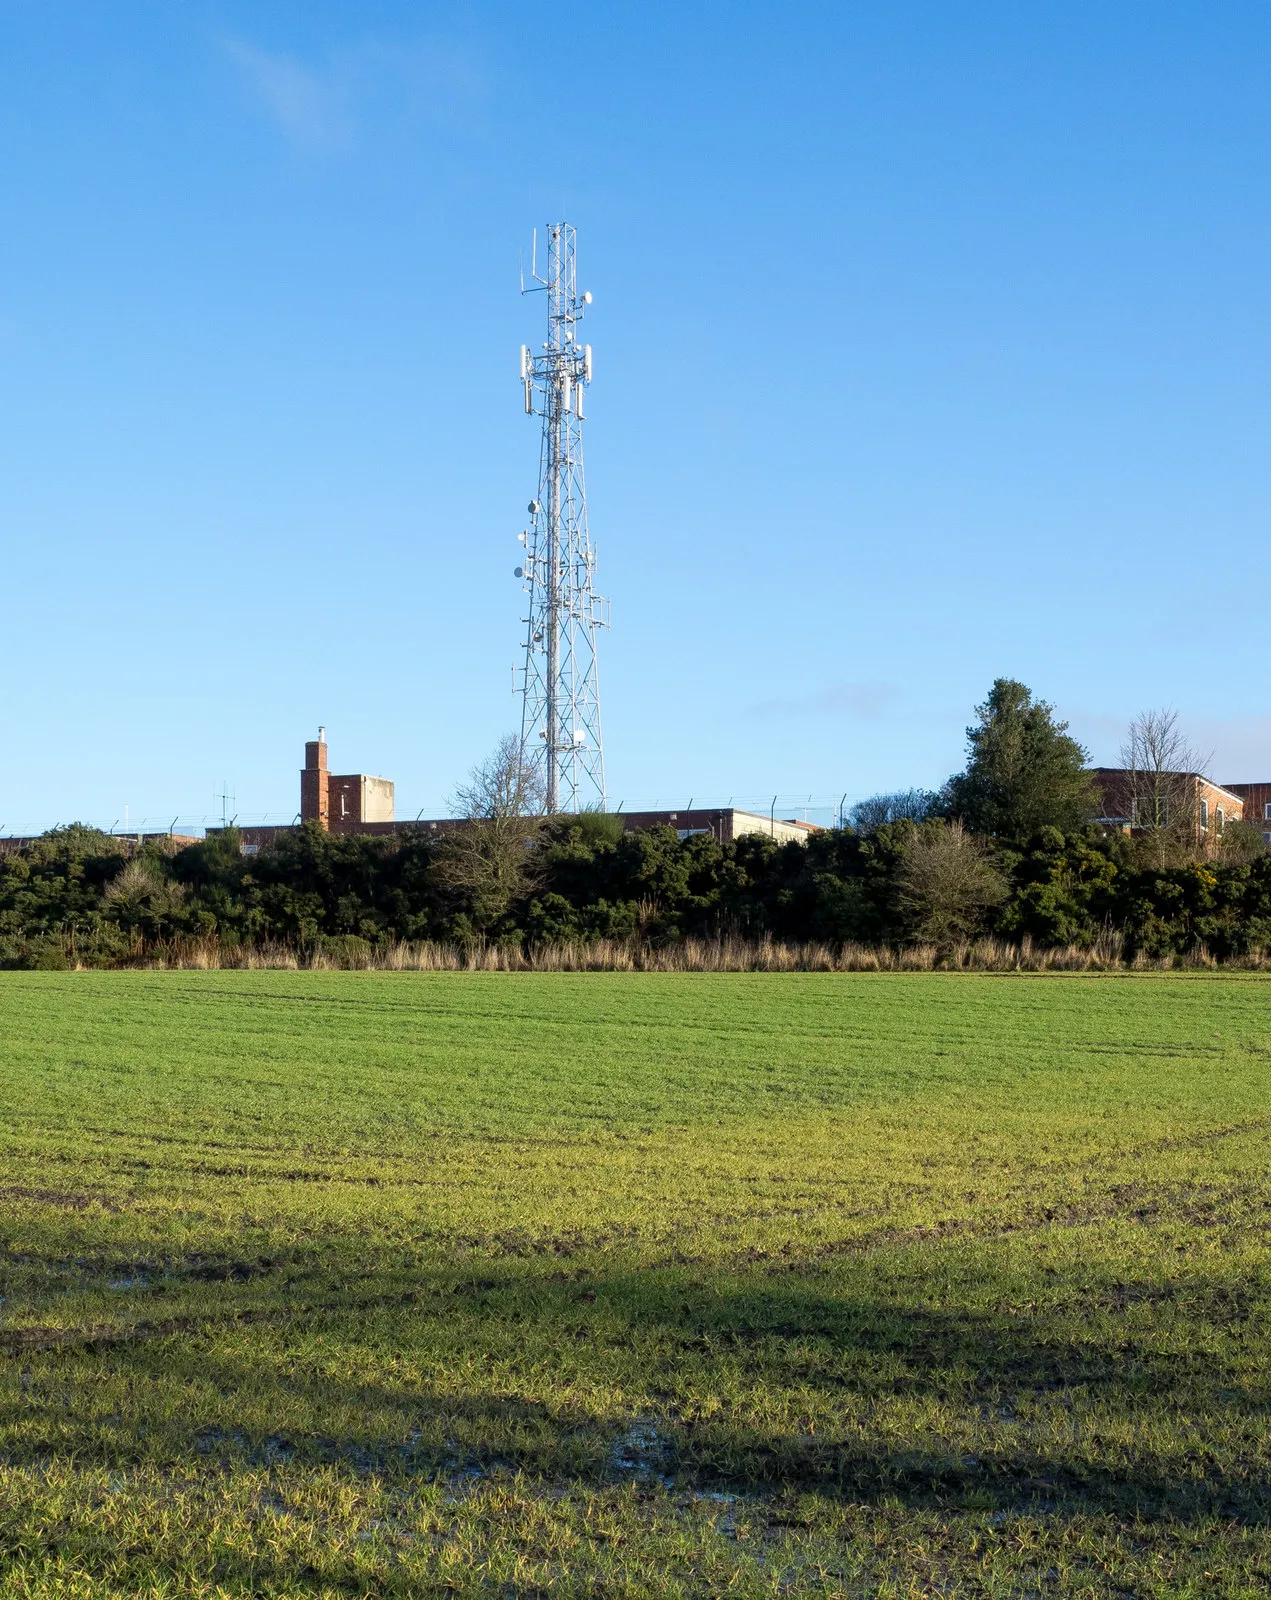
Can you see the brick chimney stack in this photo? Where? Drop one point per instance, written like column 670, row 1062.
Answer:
column 315, row 783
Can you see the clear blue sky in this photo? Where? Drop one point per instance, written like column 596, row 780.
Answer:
column 932, row 344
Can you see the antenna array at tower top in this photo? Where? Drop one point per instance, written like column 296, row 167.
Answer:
column 560, row 708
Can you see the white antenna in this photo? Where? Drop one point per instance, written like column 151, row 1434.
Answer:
column 560, row 708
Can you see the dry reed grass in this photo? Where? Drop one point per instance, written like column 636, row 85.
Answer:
column 725, row 954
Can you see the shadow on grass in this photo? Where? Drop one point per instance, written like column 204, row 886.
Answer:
column 1038, row 1415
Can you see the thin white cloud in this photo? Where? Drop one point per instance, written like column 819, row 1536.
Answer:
column 311, row 107
column 866, row 702
column 317, row 107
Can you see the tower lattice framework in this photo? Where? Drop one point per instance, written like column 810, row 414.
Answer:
column 560, row 710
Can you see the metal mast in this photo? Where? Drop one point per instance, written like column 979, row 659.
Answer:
column 560, row 709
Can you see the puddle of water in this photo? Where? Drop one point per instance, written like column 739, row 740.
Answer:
column 393, row 1530
column 640, row 1450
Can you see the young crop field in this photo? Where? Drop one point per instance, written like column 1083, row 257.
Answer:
column 400, row 1284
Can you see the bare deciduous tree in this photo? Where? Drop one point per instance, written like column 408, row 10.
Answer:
column 488, row 860
column 1163, row 798
column 947, row 884
column 501, row 787
column 906, row 805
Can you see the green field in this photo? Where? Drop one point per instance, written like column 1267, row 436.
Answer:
column 402, row 1284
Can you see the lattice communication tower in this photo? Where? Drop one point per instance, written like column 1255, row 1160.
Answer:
column 560, row 708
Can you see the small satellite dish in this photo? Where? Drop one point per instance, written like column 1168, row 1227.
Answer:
column 534, row 508
column 518, row 572
column 587, row 298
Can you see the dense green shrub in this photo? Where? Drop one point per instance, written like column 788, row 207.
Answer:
column 73, row 897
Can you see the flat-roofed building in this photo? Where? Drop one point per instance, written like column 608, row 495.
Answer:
column 725, row 824
column 357, row 803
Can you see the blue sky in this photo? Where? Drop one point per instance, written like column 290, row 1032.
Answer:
column 932, row 344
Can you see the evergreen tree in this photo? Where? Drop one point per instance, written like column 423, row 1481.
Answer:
column 1023, row 771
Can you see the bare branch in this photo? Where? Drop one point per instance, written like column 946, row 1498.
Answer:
column 488, row 862
column 1163, row 796
column 947, row 883
column 907, row 805
column 503, row 785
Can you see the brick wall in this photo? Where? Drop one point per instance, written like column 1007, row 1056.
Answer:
column 346, row 802
column 1212, row 805
column 341, row 802
column 315, row 785
column 1257, row 803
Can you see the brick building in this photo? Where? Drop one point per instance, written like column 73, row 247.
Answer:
column 356, row 803
column 1138, row 801
column 341, row 804
column 349, row 802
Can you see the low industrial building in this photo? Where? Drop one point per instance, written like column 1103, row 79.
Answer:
column 724, row 825
column 357, row 803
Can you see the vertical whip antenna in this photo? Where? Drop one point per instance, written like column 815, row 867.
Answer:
column 560, row 706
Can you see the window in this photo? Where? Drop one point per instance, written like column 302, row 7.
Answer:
column 1266, row 838
column 1219, row 818
column 1204, row 813
column 1266, row 812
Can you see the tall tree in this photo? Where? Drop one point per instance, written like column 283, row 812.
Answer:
column 488, row 861
column 1023, row 771
column 1162, row 795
